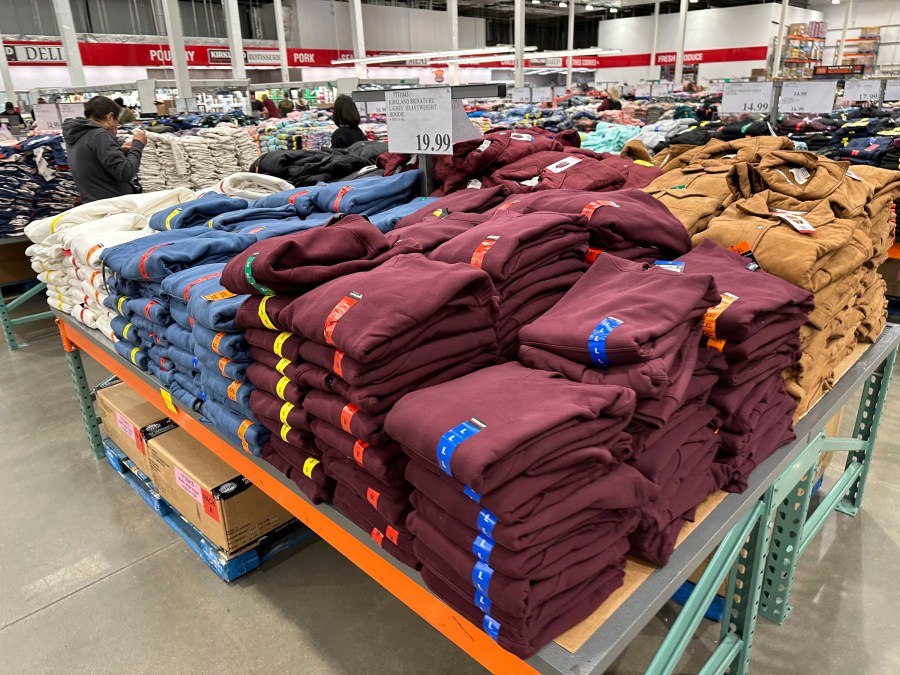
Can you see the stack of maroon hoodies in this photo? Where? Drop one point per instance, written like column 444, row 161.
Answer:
column 635, row 325
column 756, row 326
column 274, row 272
column 533, row 259
column 523, row 506
column 370, row 338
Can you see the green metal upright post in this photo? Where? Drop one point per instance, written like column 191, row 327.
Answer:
column 7, row 323
column 85, row 401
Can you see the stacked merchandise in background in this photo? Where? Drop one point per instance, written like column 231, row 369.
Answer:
column 309, row 167
column 34, row 182
column 308, row 131
column 521, row 520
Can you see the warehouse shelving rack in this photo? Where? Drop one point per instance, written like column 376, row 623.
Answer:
column 738, row 527
column 6, row 321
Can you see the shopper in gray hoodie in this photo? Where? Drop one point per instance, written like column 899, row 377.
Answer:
column 100, row 166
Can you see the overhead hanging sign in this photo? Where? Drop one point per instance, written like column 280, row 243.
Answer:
column 807, row 97
column 892, row 90
column 750, row 97
column 862, row 90
column 420, row 121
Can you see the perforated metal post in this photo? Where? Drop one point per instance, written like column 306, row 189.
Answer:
column 83, row 394
column 8, row 323
column 868, row 419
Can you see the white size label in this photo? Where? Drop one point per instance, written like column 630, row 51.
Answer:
column 892, row 90
column 563, row 164
column 541, row 94
column 521, row 95
column 807, row 97
column 862, row 90
column 749, row 97
column 420, row 121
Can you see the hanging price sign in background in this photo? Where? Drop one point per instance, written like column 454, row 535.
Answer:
column 807, row 97
column 862, row 90
column 892, row 90
column 751, row 97
column 420, row 121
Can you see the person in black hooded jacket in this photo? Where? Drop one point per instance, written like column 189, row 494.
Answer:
column 100, row 166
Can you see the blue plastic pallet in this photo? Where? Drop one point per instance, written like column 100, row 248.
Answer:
column 716, row 608
column 226, row 569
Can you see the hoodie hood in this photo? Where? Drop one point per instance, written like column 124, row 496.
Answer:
column 73, row 130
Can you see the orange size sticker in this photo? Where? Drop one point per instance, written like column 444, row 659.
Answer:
column 377, row 535
column 221, row 295
column 392, row 534
column 223, row 363
column 216, row 340
column 359, row 449
column 709, row 319
column 347, row 414
column 588, row 210
column 372, row 496
column 336, row 365
column 242, row 430
column 740, row 248
column 482, row 249
column 591, row 256
column 233, row 390
column 339, row 310
column 715, row 343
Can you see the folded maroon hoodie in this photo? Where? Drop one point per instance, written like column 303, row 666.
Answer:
column 272, row 361
column 392, row 502
column 617, row 220
column 386, row 462
column 300, row 261
column 434, row 230
column 538, row 562
column 299, row 456
column 499, row 148
column 468, row 200
column 266, row 404
column 262, row 312
column 622, row 312
column 511, row 244
column 284, row 344
column 380, row 312
column 494, row 424
column 358, row 374
column 342, row 414
column 299, row 438
column 275, row 383
column 557, row 171
column 316, row 493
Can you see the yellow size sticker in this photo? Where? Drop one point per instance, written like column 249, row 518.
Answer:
column 285, row 411
column 266, row 321
column 167, row 399
column 280, row 387
column 309, row 465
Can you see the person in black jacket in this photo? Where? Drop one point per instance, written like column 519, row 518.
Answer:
column 10, row 113
column 100, row 166
column 346, row 117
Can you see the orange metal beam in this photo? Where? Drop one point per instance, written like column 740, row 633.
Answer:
column 452, row 625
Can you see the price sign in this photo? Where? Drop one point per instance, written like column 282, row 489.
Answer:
column 892, row 90
column 521, row 95
column 47, row 116
column 662, row 89
column 69, row 111
column 542, row 94
column 420, row 121
column 862, row 90
column 807, row 97
column 642, row 91
column 751, row 97
column 376, row 107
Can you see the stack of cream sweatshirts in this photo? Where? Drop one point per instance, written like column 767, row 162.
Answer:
column 67, row 247
column 164, row 163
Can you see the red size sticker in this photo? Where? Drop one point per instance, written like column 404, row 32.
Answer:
column 482, row 249
column 372, row 496
column 591, row 256
column 377, row 535
column 359, row 449
column 336, row 365
column 339, row 310
column 392, row 534
column 347, row 413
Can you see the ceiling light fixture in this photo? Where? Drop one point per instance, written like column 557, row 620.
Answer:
column 535, row 2
column 500, row 51
column 693, row 2
column 613, row 10
column 563, row 4
column 588, row 8
column 835, row 2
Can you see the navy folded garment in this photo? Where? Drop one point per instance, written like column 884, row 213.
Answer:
column 155, row 257
column 123, row 328
column 196, row 211
column 214, row 307
column 190, row 383
column 184, row 360
column 387, row 219
column 118, row 303
column 183, row 395
column 180, row 285
column 249, row 433
column 233, row 221
column 147, row 326
column 153, row 309
column 226, row 389
column 167, row 377
column 300, row 199
column 266, row 229
column 181, row 338
column 229, row 345
column 179, row 313
column 233, row 370
column 365, row 195
column 131, row 352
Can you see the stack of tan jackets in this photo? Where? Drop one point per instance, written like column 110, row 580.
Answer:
column 831, row 234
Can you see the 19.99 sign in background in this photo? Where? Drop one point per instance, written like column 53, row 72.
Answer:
column 420, row 121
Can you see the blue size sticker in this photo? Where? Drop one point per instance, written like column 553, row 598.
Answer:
column 491, row 627
column 195, row 363
column 451, row 439
column 674, row 265
column 597, row 340
column 486, row 522
column 481, row 576
column 471, row 494
column 482, row 548
column 482, row 602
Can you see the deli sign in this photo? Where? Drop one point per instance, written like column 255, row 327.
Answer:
column 34, row 53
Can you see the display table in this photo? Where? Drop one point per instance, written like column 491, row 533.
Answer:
column 6, row 307
column 738, row 527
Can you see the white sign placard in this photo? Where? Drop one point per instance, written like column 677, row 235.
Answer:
column 377, row 108
column 750, row 97
column 892, row 90
column 542, row 94
column 642, row 91
column 661, row 89
column 47, row 116
column 521, row 94
column 862, row 90
column 807, row 97
column 420, row 121
column 69, row 111
column 463, row 129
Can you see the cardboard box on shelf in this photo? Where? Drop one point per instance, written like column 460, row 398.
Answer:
column 131, row 421
column 890, row 270
column 165, row 107
column 226, row 507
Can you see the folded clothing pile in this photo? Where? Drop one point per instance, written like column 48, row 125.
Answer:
column 868, row 150
column 248, row 185
column 891, row 158
column 638, row 326
column 523, row 506
column 825, row 228
column 533, row 259
column 609, row 137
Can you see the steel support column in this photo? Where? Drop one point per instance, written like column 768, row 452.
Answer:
column 679, row 42
column 453, row 12
column 175, row 33
column 235, row 39
column 282, row 42
column 519, row 41
column 65, row 22
column 570, row 44
column 357, row 30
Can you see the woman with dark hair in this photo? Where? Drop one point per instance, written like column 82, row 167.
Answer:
column 346, row 117
column 100, row 166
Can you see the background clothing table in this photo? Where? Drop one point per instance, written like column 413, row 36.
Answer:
column 736, row 526
column 6, row 307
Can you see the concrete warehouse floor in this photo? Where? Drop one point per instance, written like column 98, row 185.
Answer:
column 92, row 581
